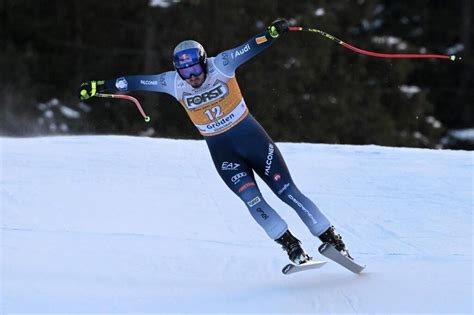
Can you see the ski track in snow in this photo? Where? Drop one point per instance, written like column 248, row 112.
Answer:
column 123, row 224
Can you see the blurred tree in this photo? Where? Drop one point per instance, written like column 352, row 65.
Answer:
column 303, row 88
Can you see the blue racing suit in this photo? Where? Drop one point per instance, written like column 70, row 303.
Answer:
column 238, row 144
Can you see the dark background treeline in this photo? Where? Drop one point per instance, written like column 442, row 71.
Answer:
column 303, row 88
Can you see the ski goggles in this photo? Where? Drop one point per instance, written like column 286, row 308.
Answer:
column 195, row 70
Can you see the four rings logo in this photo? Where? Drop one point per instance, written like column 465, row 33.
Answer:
column 218, row 90
column 236, row 178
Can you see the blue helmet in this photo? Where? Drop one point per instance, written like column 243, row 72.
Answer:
column 189, row 53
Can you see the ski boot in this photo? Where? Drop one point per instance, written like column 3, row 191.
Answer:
column 332, row 238
column 293, row 248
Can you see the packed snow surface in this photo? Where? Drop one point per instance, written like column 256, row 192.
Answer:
column 125, row 224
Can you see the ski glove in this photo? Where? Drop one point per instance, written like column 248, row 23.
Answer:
column 278, row 27
column 90, row 88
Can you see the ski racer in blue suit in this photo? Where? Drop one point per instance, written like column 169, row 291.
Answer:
column 208, row 91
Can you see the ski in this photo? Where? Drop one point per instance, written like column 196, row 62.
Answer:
column 312, row 264
column 332, row 253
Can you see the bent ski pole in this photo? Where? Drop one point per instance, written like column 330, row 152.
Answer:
column 366, row 52
column 128, row 98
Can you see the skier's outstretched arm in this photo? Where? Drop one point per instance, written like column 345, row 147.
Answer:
column 163, row 82
column 228, row 61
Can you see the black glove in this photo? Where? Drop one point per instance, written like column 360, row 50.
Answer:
column 278, row 27
column 90, row 88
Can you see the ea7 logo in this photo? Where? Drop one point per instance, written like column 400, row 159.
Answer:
column 229, row 166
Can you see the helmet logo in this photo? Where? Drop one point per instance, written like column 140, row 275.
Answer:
column 184, row 59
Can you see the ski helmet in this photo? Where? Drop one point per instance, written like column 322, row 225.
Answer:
column 189, row 58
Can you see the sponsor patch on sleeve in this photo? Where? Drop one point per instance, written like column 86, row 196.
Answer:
column 121, row 84
column 261, row 40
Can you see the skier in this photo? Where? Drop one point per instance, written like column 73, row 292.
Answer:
column 207, row 89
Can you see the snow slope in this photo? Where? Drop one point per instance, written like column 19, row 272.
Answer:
column 124, row 224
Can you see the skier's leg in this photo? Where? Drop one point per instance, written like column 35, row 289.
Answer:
column 281, row 183
column 283, row 186
column 261, row 211
column 243, row 184
column 267, row 161
column 309, row 213
column 240, row 179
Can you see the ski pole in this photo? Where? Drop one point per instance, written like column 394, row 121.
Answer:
column 366, row 52
column 128, row 98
